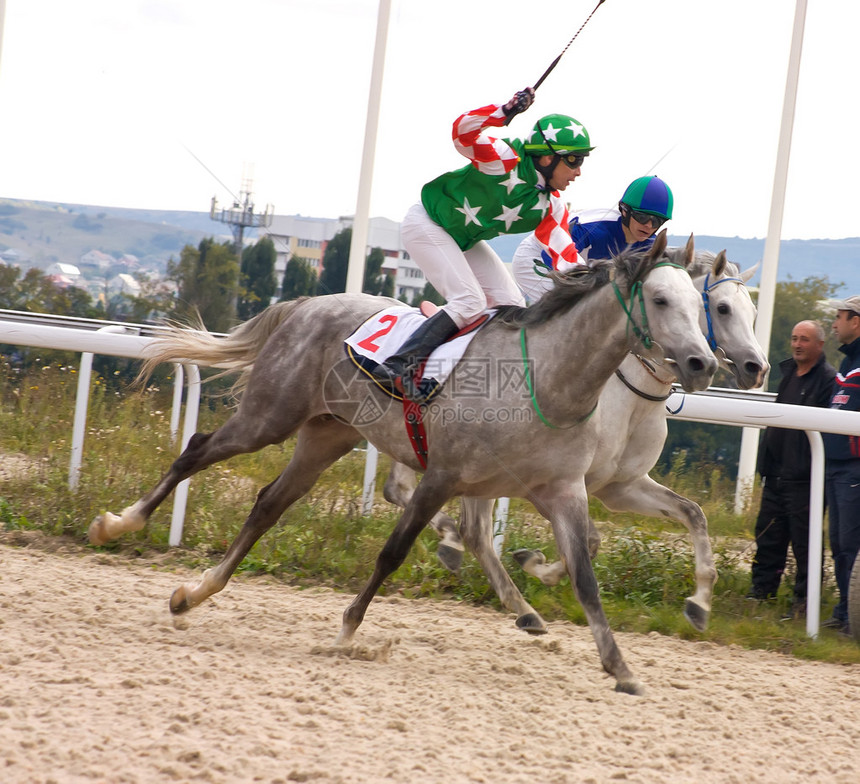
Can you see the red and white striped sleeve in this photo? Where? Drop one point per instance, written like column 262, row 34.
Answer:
column 553, row 233
column 487, row 154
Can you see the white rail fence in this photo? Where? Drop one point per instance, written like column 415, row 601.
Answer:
column 726, row 407
column 119, row 340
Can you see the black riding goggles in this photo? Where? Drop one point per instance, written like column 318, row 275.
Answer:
column 573, row 161
column 646, row 217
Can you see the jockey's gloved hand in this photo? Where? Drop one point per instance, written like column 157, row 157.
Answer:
column 519, row 103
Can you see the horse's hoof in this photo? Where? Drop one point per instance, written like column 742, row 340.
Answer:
column 450, row 557
column 630, row 687
column 345, row 636
column 531, row 623
column 179, row 602
column 96, row 533
column 531, row 557
column 533, row 562
column 697, row 615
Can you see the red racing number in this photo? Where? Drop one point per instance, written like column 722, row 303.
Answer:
column 368, row 343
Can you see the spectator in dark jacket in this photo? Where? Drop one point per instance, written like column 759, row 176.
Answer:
column 784, row 463
column 842, row 453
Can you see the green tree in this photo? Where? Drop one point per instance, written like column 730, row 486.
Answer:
column 207, row 281
column 375, row 280
column 335, row 262
column 258, row 282
column 430, row 294
column 155, row 301
column 35, row 292
column 9, row 296
column 300, row 280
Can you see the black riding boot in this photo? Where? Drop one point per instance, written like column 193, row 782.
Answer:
column 408, row 358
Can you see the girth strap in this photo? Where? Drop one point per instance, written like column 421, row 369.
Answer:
column 413, row 416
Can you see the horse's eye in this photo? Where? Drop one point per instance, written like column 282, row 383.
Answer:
column 660, row 302
column 723, row 309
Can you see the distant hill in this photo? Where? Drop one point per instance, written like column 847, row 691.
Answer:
column 837, row 260
column 37, row 234
column 41, row 233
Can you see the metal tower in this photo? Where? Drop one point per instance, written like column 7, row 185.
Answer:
column 241, row 216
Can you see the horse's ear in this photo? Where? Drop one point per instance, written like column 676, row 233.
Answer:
column 659, row 245
column 747, row 275
column 720, row 264
column 690, row 251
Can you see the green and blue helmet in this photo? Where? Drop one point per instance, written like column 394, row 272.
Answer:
column 650, row 195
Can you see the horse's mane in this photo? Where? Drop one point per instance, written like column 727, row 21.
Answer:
column 574, row 285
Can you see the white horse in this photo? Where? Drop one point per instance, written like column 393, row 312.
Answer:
column 631, row 425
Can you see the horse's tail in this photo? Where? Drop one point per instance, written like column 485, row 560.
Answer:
column 235, row 352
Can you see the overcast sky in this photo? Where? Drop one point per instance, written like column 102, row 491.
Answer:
column 162, row 104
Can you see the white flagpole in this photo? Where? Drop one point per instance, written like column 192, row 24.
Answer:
column 770, row 261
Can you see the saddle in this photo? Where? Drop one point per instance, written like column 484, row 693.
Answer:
column 383, row 333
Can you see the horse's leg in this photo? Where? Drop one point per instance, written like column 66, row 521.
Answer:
column 398, row 489
column 477, row 528
column 320, row 442
column 203, row 450
column 567, row 510
column 434, row 489
column 248, row 430
column 647, row 497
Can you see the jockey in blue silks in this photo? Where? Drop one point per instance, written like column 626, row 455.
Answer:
column 599, row 234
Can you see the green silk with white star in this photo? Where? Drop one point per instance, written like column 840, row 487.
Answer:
column 472, row 206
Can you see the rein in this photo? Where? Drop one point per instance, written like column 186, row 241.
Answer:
column 643, row 333
column 706, row 299
column 530, row 385
column 639, row 392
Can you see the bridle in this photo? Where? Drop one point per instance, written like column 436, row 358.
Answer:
column 643, row 333
column 706, row 299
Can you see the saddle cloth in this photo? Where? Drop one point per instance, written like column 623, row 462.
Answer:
column 383, row 333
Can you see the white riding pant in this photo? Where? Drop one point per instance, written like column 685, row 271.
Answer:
column 471, row 281
column 526, row 258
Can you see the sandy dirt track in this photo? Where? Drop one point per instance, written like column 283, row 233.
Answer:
column 99, row 683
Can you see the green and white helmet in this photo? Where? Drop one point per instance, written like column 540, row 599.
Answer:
column 558, row 134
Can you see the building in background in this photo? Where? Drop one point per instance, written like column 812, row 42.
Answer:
column 306, row 238
column 63, row 275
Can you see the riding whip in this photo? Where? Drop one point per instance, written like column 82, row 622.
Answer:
column 522, row 100
column 554, row 63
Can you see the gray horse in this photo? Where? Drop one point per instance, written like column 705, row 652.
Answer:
column 631, row 425
column 536, row 444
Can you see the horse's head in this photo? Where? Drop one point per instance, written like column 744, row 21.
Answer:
column 728, row 317
column 664, row 310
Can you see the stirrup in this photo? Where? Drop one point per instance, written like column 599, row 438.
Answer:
column 386, row 376
column 410, row 389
